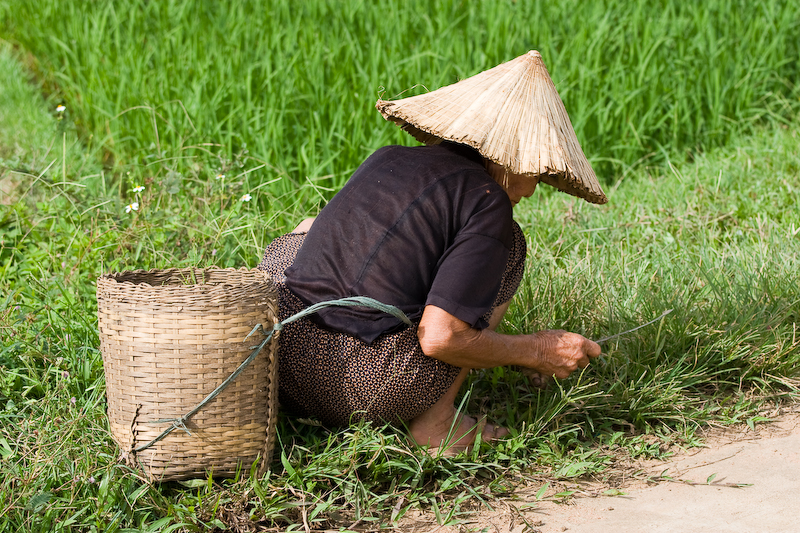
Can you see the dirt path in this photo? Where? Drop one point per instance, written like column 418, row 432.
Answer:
column 742, row 481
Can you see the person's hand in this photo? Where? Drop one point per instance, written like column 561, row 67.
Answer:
column 551, row 352
column 559, row 353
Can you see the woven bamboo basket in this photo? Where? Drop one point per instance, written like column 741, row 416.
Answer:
column 169, row 338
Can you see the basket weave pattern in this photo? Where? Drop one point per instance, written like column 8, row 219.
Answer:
column 169, row 338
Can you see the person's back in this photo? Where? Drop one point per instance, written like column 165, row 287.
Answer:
column 413, row 226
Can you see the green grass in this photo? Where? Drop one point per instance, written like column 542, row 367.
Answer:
column 694, row 129
column 160, row 85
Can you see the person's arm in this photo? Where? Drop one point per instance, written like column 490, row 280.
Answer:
column 551, row 352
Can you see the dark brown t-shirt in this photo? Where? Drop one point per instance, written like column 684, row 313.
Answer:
column 412, row 227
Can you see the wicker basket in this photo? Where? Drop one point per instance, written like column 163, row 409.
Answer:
column 171, row 337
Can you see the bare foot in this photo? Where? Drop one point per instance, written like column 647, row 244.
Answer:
column 445, row 436
column 446, row 430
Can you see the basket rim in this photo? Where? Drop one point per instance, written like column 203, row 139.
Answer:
column 112, row 277
column 144, row 290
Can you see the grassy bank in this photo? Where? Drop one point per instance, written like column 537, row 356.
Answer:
column 253, row 102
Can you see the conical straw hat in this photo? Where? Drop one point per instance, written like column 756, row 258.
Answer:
column 512, row 115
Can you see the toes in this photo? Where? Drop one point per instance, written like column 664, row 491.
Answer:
column 493, row 432
column 502, row 432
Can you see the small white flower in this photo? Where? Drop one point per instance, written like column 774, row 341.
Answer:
column 61, row 108
column 220, row 176
column 246, row 198
column 140, row 188
column 132, row 207
column 213, row 252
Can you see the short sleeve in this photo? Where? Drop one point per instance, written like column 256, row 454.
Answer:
column 470, row 272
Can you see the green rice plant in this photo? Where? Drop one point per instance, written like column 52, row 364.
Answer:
column 161, row 86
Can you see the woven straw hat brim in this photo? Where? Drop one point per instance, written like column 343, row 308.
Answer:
column 511, row 114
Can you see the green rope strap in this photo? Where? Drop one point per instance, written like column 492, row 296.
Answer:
column 354, row 301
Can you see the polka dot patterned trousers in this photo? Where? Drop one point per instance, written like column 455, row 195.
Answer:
column 339, row 379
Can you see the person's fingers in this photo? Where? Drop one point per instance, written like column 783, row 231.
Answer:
column 569, row 353
column 592, row 349
column 562, row 374
column 536, row 379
